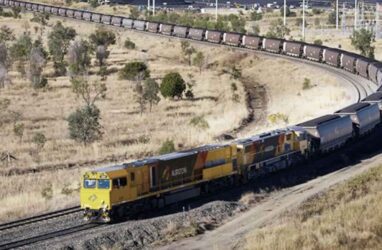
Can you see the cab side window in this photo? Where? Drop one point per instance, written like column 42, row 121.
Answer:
column 119, row 182
column 132, row 177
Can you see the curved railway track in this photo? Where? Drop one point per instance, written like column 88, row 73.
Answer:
column 362, row 88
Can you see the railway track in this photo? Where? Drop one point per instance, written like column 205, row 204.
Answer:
column 46, row 236
column 38, row 218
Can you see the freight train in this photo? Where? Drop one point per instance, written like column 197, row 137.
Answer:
column 115, row 191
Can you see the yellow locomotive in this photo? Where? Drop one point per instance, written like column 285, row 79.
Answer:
column 115, row 191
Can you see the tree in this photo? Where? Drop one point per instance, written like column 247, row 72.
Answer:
column 172, row 85
column 20, row 52
column 4, row 60
column 79, row 56
column 133, row 70
column 84, row 125
column 134, row 12
column 58, row 43
column 36, row 66
column 361, row 40
column 129, row 44
column 39, row 140
column 277, row 30
column 6, row 34
column 332, row 18
column 139, row 98
column 199, row 61
column 102, row 36
column 88, row 92
column 287, row 12
column 18, row 130
column 187, row 50
column 101, row 54
column 151, row 91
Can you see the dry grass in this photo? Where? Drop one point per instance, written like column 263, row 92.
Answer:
column 346, row 217
column 127, row 135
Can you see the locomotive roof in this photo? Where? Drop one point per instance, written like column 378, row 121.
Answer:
column 353, row 108
column 377, row 96
column 155, row 159
column 260, row 136
column 317, row 121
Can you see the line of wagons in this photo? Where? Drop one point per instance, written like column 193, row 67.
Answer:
column 335, row 57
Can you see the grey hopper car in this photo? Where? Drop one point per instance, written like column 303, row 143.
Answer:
column 166, row 29
column 139, row 25
column 62, row 12
column 365, row 116
column 379, row 89
column 293, row 48
column 214, row 36
column 313, row 52
column 116, row 21
column 47, row 9
column 22, row 4
column 2, row 2
column 153, row 27
column 374, row 69
column 361, row 66
column 375, row 98
column 348, row 61
column 127, row 23
column 328, row 132
column 180, row 31
column 34, row 7
column 232, row 39
column 54, row 10
column 332, row 57
column 106, row 19
column 87, row 16
column 12, row 3
column 69, row 13
column 95, row 17
column 78, row 14
column 272, row 45
column 28, row 6
column 41, row 8
column 252, row 42
column 196, row 34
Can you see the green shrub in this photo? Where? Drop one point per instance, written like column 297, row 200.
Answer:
column 172, row 85
column 167, row 147
column 134, row 70
column 199, row 122
column 129, row 44
column 306, row 84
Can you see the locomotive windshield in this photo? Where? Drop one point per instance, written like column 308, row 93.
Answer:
column 89, row 183
column 104, row 184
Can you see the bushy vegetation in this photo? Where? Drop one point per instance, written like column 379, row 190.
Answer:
column 168, row 146
column 230, row 22
column 277, row 30
column 362, row 40
column 199, row 122
column 134, row 71
column 129, row 44
column 172, row 85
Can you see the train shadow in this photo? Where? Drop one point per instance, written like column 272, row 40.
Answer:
column 354, row 153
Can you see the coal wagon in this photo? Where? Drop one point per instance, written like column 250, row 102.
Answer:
column 166, row 29
column 214, row 36
column 328, row 132
column 332, row 57
column 293, row 48
column 348, row 61
column 365, row 116
column 180, row 31
column 232, row 39
column 272, row 45
column 375, row 98
column 361, row 66
column 252, row 42
column 127, row 23
column 152, row 27
column 95, row 17
column 106, row 19
column 116, row 21
column 196, row 34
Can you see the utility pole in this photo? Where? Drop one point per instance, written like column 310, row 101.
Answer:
column 376, row 20
column 303, row 20
column 153, row 7
column 148, row 5
column 355, row 14
column 343, row 18
column 216, row 10
column 336, row 14
column 284, row 12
